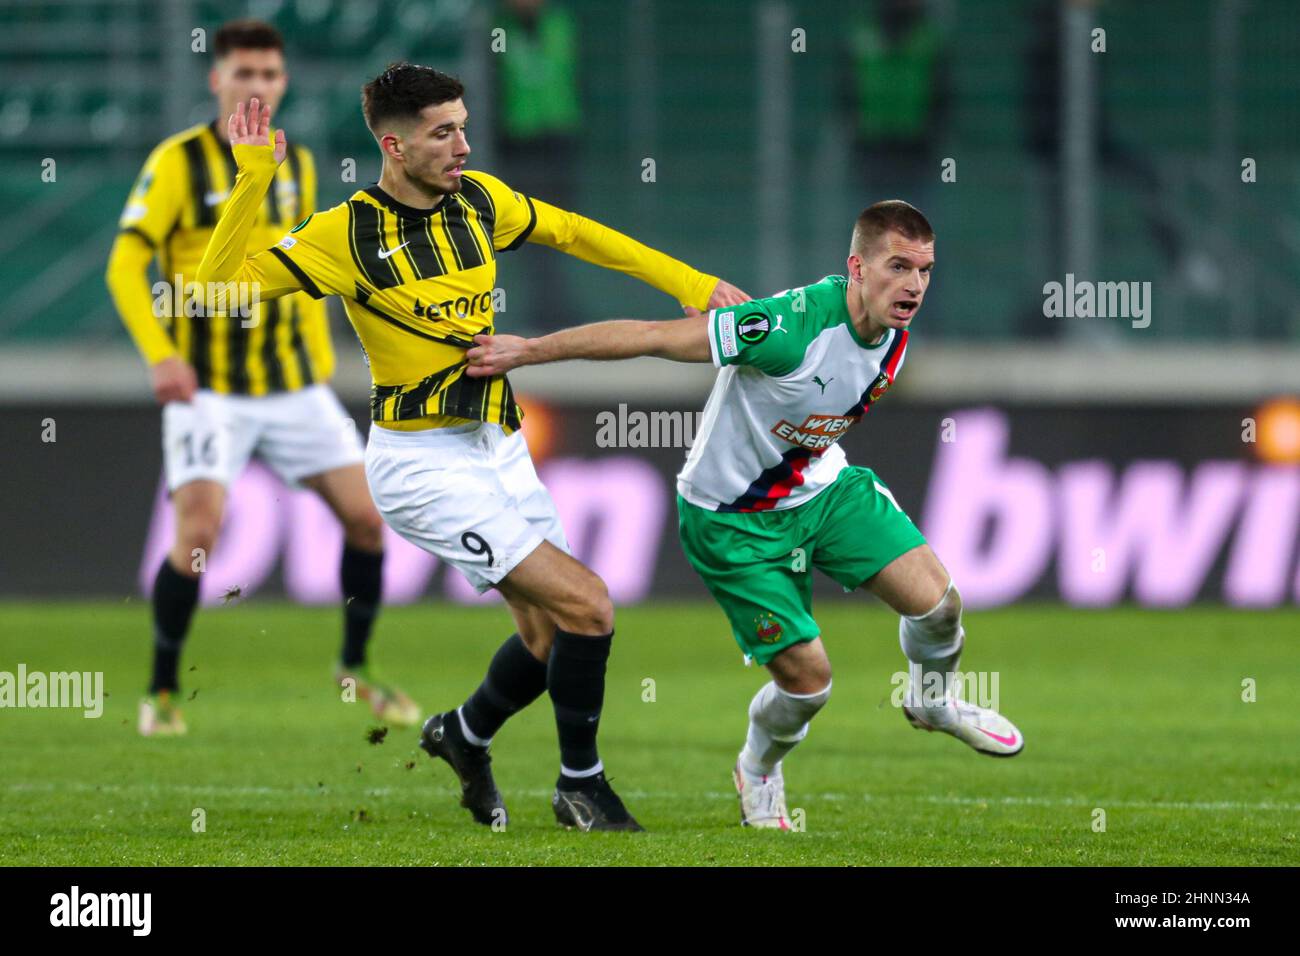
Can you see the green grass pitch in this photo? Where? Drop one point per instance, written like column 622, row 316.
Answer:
column 1138, row 713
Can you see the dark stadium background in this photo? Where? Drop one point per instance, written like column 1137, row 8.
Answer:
column 1124, row 165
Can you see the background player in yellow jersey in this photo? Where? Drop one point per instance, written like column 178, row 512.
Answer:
column 414, row 258
column 230, row 392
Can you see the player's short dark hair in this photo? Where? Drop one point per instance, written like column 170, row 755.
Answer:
column 402, row 90
column 246, row 34
column 890, row 215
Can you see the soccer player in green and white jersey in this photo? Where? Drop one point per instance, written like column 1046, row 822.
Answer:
column 766, row 483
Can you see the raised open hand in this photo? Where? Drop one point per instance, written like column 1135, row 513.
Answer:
column 252, row 127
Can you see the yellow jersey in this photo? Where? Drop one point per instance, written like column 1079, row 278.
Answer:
column 183, row 191
column 419, row 284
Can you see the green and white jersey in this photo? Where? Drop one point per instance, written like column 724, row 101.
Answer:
column 794, row 377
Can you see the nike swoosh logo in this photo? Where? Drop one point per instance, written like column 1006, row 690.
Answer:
column 583, row 824
column 1009, row 741
column 385, row 254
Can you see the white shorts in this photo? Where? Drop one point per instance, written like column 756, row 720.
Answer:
column 467, row 495
column 298, row 434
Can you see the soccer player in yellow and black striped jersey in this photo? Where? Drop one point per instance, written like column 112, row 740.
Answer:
column 231, row 391
column 414, row 258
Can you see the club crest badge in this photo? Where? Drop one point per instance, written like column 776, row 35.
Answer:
column 768, row 628
column 878, row 388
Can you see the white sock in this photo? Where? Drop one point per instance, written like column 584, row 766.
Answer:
column 580, row 774
column 932, row 643
column 778, row 720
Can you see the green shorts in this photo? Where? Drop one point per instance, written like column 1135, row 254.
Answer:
column 758, row 565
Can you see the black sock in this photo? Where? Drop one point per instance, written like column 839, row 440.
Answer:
column 361, row 574
column 514, row 680
column 174, row 598
column 575, row 677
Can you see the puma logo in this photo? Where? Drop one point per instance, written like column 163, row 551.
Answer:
column 817, row 380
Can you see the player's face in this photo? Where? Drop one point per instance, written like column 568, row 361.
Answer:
column 243, row 74
column 893, row 278
column 435, row 149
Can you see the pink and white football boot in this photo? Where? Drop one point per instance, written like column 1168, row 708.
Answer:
column 981, row 728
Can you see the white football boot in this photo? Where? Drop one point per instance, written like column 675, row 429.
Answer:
column 160, row 717
column 985, row 730
column 762, row 799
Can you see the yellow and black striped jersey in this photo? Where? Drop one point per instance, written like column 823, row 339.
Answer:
column 182, row 192
column 419, row 284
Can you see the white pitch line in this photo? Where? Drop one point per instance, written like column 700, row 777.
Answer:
column 1060, row 802
column 1105, row 804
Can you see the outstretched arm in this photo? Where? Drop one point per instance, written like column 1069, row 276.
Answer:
column 681, row 340
column 600, row 245
column 225, row 260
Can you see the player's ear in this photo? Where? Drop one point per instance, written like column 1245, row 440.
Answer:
column 214, row 81
column 390, row 144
